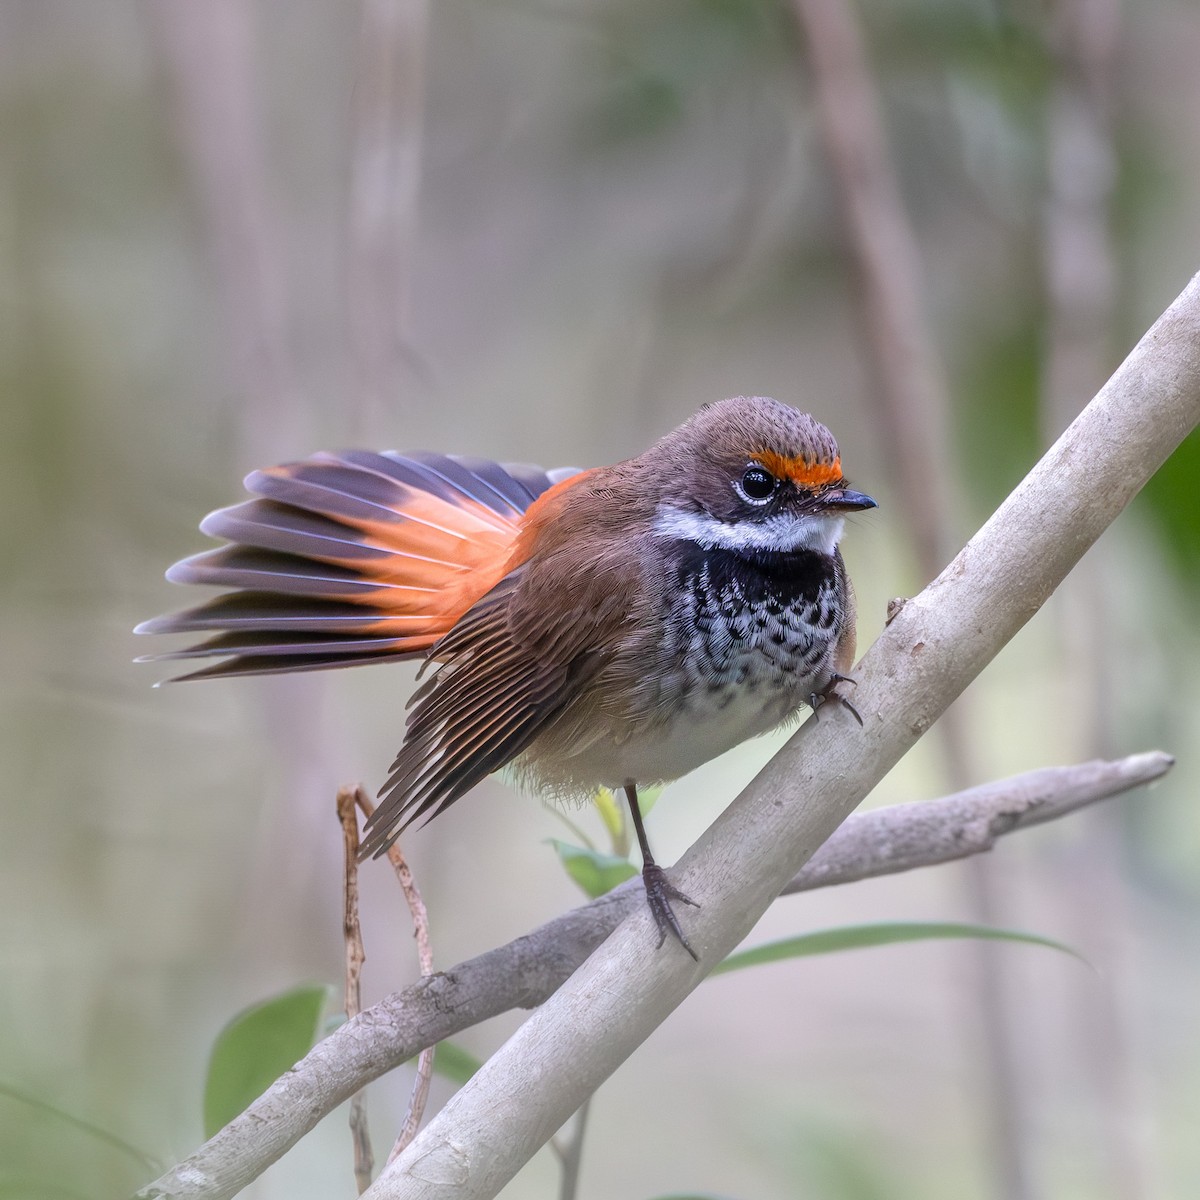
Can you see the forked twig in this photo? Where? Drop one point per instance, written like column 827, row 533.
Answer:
column 364, row 1159
column 420, row 918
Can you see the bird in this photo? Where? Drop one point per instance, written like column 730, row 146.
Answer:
column 607, row 627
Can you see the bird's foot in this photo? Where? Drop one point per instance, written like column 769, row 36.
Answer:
column 660, row 891
column 830, row 692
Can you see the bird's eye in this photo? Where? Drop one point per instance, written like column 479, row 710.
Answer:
column 757, row 485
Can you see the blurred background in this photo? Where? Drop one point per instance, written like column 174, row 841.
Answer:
column 233, row 233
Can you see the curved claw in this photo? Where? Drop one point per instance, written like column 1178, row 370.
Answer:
column 660, row 891
column 830, row 692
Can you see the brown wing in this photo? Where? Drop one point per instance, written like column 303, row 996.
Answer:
column 510, row 668
column 843, row 655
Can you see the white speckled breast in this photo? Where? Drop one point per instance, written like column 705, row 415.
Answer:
column 745, row 643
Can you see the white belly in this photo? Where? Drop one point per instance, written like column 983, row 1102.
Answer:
column 584, row 757
column 671, row 751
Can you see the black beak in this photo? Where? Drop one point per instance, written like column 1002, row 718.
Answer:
column 844, row 498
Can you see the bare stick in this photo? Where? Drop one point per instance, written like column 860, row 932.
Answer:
column 420, row 919
column 933, row 648
column 364, row 1159
column 526, row 972
column 570, row 1155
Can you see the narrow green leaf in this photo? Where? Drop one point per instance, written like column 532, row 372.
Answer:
column 258, row 1046
column 454, row 1063
column 693, row 1196
column 21, row 1096
column 610, row 812
column 555, row 810
column 856, row 937
column 594, row 871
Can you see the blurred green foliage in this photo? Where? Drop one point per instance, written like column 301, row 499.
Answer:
column 1172, row 499
column 452, row 1062
column 657, row 62
column 998, row 433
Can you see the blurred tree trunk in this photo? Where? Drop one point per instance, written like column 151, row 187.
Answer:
column 1081, row 282
column 912, row 413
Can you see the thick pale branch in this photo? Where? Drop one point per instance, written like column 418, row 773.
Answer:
column 526, row 972
column 935, row 646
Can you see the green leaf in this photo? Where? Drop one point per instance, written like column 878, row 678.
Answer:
column 693, row 1196
column 857, row 937
column 648, row 798
column 258, row 1046
column 454, row 1063
column 593, row 870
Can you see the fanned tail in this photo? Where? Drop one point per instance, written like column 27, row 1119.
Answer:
column 350, row 558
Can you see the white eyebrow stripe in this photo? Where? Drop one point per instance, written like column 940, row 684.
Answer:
column 809, row 531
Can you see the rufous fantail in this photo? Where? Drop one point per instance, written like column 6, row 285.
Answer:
column 612, row 627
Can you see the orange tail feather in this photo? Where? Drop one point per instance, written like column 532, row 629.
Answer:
column 351, row 558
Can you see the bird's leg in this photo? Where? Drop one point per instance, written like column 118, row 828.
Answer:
column 830, row 692
column 660, row 891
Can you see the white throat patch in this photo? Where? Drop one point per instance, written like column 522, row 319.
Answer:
column 811, row 531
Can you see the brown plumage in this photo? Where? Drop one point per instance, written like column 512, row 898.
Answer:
column 615, row 626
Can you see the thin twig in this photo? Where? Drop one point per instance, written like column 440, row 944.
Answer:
column 420, row 919
column 570, row 1155
column 364, row 1159
column 524, row 973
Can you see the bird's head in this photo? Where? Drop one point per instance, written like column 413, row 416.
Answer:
column 751, row 474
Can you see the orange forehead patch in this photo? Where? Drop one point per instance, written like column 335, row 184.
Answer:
column 802, row 472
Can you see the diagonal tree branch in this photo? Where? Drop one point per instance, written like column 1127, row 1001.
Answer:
column 527, row 971
column 935, row 646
